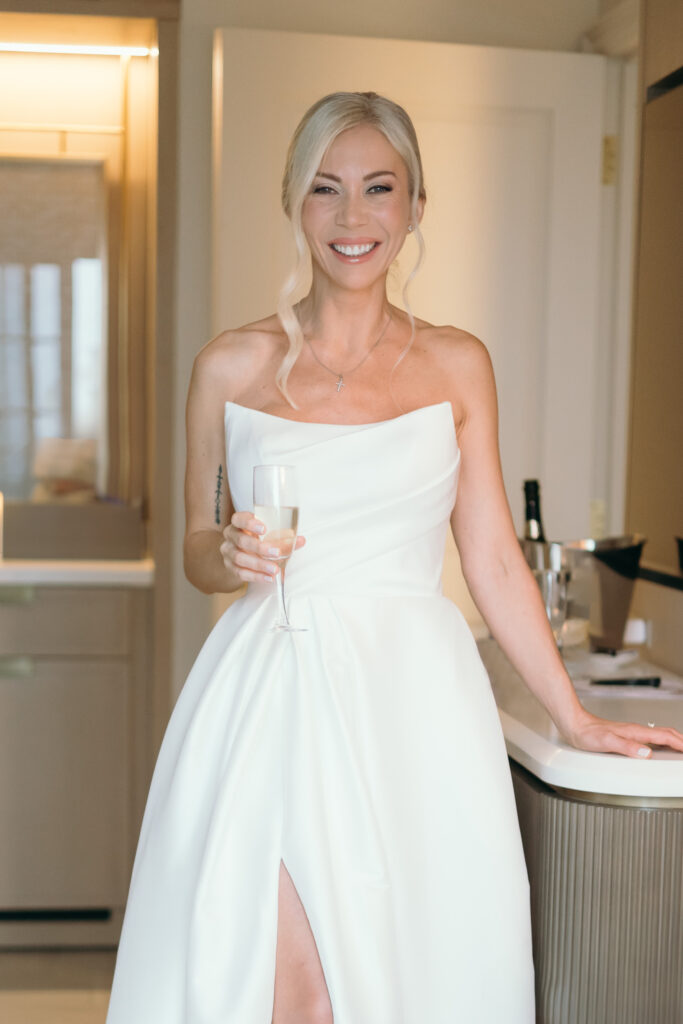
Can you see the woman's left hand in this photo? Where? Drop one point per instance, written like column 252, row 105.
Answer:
column 600, row 735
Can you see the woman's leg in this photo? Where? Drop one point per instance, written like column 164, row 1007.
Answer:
column 301, row 995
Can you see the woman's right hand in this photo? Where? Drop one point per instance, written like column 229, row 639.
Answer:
column 244, row 552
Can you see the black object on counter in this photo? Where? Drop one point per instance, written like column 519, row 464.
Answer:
column 628, row 681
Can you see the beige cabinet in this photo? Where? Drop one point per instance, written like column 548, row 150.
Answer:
column 72, row 760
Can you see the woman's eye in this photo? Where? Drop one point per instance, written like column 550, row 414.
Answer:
column 380, row 188
column 319, row 190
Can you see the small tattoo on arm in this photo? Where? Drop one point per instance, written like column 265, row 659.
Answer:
column 219, row 485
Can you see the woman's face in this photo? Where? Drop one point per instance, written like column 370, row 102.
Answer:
column 356, row 215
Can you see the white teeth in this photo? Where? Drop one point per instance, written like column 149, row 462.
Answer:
column 353, row 250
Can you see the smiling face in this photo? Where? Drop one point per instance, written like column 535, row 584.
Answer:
column 357, row 212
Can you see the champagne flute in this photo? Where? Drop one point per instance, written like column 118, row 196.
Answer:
column 553, row 584
column 276, row 505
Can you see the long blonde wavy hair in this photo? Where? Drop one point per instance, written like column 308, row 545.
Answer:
column 318, row 128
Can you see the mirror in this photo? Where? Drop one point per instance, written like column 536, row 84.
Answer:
column 77, row 196
column 53, row 344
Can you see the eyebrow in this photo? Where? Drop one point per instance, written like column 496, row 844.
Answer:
column 367, row 177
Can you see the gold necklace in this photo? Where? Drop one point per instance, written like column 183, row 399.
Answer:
column 340, row 376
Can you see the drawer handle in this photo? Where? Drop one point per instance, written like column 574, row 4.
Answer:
column 16, row 668
column 17, row 595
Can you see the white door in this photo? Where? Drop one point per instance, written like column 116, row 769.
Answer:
column 511, row 143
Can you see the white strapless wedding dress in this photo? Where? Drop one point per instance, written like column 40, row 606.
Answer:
column 366, row 753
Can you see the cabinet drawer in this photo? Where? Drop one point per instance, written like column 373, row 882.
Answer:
column 63, row 621
column 64, row 782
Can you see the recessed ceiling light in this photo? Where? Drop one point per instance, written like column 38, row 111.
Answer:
column 96, row 51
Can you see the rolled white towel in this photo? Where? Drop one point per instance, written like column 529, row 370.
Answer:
column 66, row 458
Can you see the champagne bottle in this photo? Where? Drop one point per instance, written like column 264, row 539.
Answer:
column 533, row 524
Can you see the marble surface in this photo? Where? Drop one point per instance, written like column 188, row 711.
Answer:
column 75, row 572
column 533, row 740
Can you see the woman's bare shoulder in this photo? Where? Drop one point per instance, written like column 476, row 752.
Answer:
column 449, row 341
column 232, row 360
column 455, row 354
column 450, row 364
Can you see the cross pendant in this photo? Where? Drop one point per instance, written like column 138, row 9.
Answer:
column 340, row 383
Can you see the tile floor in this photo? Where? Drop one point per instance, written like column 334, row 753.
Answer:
column 66, row 987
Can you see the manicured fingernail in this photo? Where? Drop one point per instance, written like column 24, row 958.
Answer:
column 259, row 528
column 272, row 569
column 644, row 752
column 273, row 551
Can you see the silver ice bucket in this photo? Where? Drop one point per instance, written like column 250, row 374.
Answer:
column 601, row 574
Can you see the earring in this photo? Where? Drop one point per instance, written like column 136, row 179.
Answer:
column 410, row 227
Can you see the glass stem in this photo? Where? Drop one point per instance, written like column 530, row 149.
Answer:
column 280, row 581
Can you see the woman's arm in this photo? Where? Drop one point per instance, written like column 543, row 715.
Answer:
column 499, row 579
column 208, row 508
column 221, row 548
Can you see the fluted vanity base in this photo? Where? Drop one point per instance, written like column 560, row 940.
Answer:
column 607, row 909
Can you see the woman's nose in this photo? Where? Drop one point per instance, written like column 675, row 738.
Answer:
column 352, row 211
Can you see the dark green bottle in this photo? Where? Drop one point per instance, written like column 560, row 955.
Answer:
column 533, row 524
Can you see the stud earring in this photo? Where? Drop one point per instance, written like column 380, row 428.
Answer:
column 410, row 227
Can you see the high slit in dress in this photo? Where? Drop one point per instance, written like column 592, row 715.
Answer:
column 365, row 753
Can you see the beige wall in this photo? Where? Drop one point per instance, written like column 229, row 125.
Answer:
column 533, row 24
column 655, row 484
column 662, row 608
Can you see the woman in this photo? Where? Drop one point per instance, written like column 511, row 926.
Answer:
column 331, row 830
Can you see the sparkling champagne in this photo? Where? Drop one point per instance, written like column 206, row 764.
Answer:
column 276, row 504
column 281, row 522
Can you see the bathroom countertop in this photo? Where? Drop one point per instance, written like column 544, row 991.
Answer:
column 533, row 740
column 76, row 572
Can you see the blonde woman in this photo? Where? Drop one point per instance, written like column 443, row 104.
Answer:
column 330, row 834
